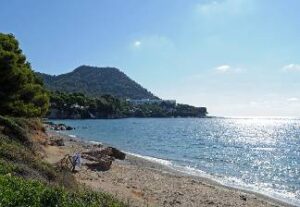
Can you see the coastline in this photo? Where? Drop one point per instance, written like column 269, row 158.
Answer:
column 141, row 182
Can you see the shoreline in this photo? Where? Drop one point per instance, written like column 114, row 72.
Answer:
column 169, row 175
column 168, row 169
column 207, row 180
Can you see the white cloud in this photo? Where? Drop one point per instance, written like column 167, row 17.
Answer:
column 137, row 44
column 223, row 68
column 153, row 43
column 293, row 99
column 291, row 67
column 228, row 68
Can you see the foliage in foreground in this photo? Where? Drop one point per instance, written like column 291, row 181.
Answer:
column 19, row 153
column 27, row 180
column 16, row 191
column 21, row 92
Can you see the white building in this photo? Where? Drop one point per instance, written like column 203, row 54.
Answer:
column 150, row 101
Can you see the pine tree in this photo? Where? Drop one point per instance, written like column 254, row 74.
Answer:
column 21, row 91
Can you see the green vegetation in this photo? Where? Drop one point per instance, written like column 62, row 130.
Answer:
column 16, row 191
column 79, row 106
column 82, row 94
column 96, row 82
column 26, row 180
column 166, row 110
column 184, row 110
column 19, row 153
column 21, row 92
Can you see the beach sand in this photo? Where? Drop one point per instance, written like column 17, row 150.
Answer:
column 140, row 182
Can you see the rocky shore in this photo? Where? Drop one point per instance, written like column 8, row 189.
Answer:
column 139, row 182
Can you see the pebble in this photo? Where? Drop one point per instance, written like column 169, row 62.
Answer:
column 243, row 197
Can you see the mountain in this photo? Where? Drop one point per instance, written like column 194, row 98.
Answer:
column 96, row 81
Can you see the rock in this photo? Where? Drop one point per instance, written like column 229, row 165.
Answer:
column 69, row 128
column 58, row 127
column 178, row 202
column 114, row 152
column 243, row 197
column 98, row 145
column 179, row 193
column 118, row 154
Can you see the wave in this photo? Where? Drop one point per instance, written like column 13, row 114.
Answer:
column 95, row 142
column 152, row 159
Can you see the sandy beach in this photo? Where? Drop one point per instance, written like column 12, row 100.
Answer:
column 140, row 182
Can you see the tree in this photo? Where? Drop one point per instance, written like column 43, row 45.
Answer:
column 21, row 91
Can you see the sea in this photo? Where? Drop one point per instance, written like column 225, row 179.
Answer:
column 254, row 154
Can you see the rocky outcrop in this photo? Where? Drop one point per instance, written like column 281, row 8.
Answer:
column 116, row 153
column 57, row 127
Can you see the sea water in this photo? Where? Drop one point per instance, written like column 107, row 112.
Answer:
column 256, row 154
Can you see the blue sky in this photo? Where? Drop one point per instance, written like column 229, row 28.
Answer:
column 237, row 57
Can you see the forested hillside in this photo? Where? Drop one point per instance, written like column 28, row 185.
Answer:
column 79, row 106
column 95, row 81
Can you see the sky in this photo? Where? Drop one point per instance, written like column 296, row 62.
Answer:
column 236, row 57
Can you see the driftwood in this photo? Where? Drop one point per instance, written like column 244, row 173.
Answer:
column 104, row 152
column 100, row 165
column 99, row 159
column 101, row 162
column 67, row 162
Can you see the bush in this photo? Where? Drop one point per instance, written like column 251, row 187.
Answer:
column 19, row 192
column 12, row 129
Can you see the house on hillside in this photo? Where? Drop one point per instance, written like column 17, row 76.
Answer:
column 151, row 101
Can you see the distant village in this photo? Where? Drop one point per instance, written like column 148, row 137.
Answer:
column 151, row 101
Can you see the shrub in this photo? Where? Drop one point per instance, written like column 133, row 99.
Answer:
column 19, row 192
